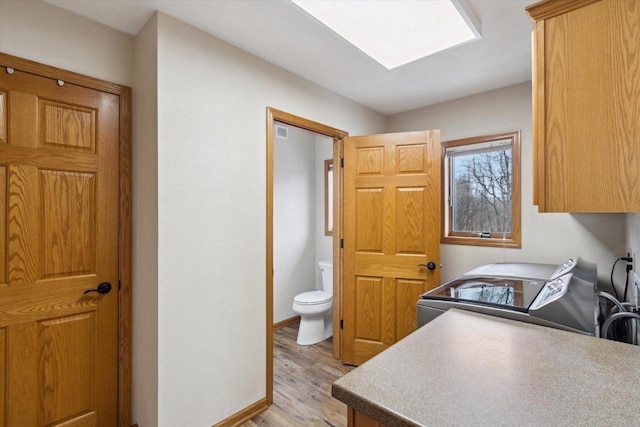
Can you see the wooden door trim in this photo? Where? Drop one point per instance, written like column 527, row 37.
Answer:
column 274, row 115
column 125, row 221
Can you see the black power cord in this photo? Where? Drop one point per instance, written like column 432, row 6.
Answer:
column 621, row 330
column 628, row 260
column 626, row 284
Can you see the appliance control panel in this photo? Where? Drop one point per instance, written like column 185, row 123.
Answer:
column 552, row 291
column 564, row 268
column 567, row 265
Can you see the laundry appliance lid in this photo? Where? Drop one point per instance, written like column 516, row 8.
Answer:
column 500, row 292
column 523, row 270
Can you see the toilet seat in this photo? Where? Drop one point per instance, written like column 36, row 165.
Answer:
column 313, row 298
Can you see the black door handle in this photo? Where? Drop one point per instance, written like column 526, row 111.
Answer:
column 430, row 265
column 103, row 288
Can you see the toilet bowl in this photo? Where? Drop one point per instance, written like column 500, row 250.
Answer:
column 316, row 309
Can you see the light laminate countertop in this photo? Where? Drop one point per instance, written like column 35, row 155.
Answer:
column 470, row 369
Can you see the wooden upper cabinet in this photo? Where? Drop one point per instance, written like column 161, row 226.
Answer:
column 586, row 105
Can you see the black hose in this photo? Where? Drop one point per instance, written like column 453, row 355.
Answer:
column 607, row 324
column 611, row 278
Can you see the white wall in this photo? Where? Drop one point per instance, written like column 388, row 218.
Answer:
column 145, row 228
column 212, row 203
column 324, row 244
column 44, row 33
column 299, row 242
column 294, row 220
column 546, row 238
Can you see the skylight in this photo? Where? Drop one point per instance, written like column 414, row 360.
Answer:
column 395, row 33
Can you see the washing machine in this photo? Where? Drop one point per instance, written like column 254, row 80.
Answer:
column 559, row 296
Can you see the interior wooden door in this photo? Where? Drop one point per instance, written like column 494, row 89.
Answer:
column 392, row 225
column 59, row 223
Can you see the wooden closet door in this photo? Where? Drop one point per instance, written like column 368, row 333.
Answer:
column 59, row 224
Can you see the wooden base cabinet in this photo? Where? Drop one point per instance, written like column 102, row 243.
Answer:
column 586, row 105
column 358, row 419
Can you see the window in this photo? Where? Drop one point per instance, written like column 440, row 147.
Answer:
column 482, row 191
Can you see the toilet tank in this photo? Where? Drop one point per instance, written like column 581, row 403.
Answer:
column 326, row 269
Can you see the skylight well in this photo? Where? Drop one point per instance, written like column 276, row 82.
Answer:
column 395, row 33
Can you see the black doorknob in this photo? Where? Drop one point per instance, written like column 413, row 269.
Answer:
column 103, row 288
column 430, row 265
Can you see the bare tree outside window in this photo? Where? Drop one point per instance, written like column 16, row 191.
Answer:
column 482, row 190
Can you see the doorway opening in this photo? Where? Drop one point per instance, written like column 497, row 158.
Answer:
column 275, row 118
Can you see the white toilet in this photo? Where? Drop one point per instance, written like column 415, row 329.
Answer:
column 316, row 309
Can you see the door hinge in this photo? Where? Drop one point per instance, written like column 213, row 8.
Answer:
column 341, row 243
column 119, row 285
column 342, row 162
column 341, row 324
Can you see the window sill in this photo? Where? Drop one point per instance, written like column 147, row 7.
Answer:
column 477, row 241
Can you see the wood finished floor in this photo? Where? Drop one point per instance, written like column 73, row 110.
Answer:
column 302, row 377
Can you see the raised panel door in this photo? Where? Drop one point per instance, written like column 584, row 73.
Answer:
column 58, row 220
column 391, row 226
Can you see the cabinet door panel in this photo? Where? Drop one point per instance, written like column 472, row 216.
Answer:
column 587, row 108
